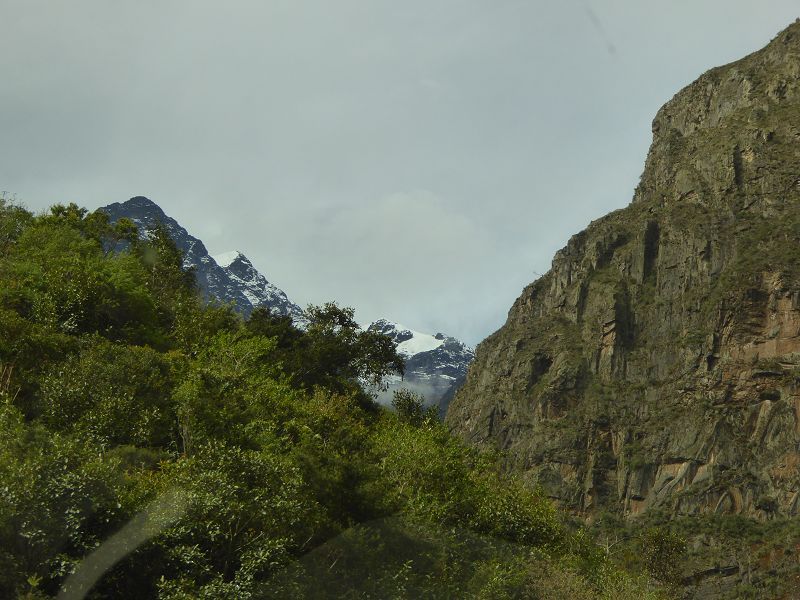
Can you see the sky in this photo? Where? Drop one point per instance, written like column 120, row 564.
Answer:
column 419, row 161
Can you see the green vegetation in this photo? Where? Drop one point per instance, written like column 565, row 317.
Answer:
column 192, row 454
column 761, row 557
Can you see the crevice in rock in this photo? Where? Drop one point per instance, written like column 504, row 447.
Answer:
column 540, row 365
column 651, row 245
column 713, row 356
column 738, row 169
column 605, row 254
column 623, row 316
column 580, row 305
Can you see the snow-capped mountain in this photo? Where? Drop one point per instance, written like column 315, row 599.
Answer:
column 436, row 365
column 231, row 279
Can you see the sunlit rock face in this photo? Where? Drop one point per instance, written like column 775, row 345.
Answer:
column 657, row 363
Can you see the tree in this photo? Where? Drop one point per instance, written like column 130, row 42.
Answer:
column 333, row 352
column 662, row 551
column 264, row 322
column 337, row 353
column 164, row 261
column 112, row 394
column 410, row 408
column 13, row 221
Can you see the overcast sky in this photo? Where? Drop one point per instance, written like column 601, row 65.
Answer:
column 419, row 160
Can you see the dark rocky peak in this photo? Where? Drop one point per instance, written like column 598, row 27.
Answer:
column 236, row 281
column 141, row 203
column 147, row 215
column 390, row 329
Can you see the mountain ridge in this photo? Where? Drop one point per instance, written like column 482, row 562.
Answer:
column 436, row 364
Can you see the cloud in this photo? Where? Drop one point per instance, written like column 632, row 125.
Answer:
column 398, row 254
column 404, row 231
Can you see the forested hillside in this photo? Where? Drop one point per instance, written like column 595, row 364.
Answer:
column 239, row 459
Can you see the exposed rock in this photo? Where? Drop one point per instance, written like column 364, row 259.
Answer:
column 657, row 363
column 247, row 281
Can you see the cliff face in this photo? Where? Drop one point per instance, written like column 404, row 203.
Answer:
column 657, row 363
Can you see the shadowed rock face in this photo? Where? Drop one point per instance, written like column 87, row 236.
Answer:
column 657, row 363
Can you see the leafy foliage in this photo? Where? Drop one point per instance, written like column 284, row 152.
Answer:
column 410, row 407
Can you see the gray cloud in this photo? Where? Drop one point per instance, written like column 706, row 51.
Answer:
column 416, row 160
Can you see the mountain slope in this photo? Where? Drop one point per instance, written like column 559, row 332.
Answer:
column 657, row 364
column 251, row 284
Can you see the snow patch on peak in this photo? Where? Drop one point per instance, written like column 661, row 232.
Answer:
column 408, row 341
column 226, row 258
column 418, row 342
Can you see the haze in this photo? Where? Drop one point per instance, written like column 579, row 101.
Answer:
column 419, row 161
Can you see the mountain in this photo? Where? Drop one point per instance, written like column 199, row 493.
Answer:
column 435, row 364
column 656, row 365
column 228, row 277
column 251, row 284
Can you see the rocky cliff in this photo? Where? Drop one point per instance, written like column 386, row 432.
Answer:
column 657, row 364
